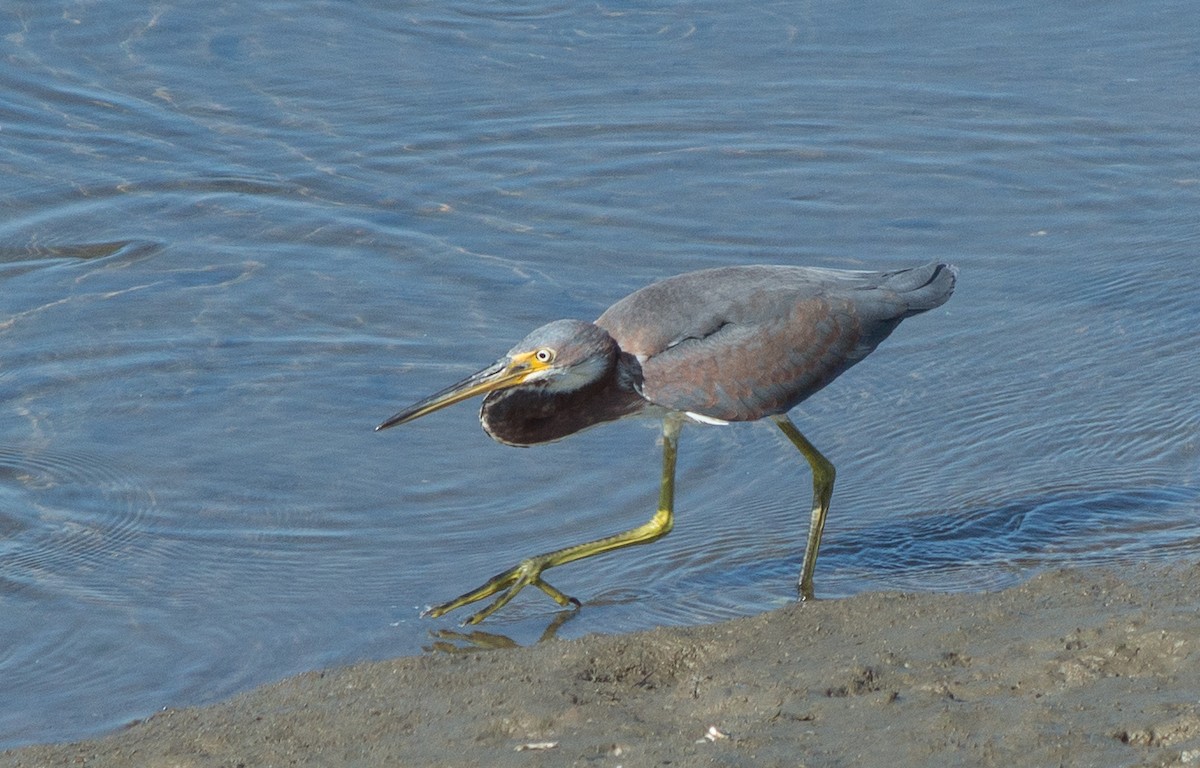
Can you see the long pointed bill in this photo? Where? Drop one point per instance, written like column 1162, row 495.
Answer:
column 506, row 372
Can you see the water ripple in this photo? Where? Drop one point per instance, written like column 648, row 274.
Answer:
column 65, row 516
column 991, row 547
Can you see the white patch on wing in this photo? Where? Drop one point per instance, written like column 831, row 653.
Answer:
column 700, row 418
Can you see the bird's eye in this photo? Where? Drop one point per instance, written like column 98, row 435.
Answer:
column 544, row 355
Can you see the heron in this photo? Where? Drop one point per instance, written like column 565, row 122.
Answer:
column 719, row 345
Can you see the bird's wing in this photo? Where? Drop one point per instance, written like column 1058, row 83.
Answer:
column 735, row 343
column 741, row 343
column 697, row 304
column 746, row 370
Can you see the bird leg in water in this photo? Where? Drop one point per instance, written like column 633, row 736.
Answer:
column 823, row 475
column 529, row 571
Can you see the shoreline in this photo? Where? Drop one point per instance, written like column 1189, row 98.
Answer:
column 1077, row 666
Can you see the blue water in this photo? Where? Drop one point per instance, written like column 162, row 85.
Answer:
column 233, row 239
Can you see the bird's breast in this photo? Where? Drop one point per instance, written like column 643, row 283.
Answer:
column 529, row 415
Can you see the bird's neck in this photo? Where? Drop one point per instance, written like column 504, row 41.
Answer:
column 528, row 415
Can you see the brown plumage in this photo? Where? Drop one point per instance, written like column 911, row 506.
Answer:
column 717, row 345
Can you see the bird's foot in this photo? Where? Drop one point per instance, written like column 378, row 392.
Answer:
column 508, row 584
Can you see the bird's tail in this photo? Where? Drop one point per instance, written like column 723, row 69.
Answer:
column 922, row 288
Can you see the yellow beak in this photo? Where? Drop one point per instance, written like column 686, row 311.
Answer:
column 506, row 372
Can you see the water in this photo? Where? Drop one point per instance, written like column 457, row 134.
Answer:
column 234, row 239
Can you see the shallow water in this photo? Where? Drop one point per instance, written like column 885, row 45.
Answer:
column 235, row 240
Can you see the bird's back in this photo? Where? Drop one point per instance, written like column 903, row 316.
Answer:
column 741, row 343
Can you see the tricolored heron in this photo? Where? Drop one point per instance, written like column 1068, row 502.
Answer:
column 713, row 346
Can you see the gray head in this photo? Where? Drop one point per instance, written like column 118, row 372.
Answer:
column 562, row 356
column 565, row 355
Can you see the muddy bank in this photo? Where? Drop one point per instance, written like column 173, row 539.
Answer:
column 1074, row 668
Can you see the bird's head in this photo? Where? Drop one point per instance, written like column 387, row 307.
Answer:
column 558, row 357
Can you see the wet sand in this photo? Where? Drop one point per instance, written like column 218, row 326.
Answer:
column 1076, row 667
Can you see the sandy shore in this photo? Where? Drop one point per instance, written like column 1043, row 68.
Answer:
column 1073, row 668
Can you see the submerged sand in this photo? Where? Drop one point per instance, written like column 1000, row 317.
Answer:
column 1077, row 667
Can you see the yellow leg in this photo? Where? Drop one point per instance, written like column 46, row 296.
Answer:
column 823, row 476
column 529, row 571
